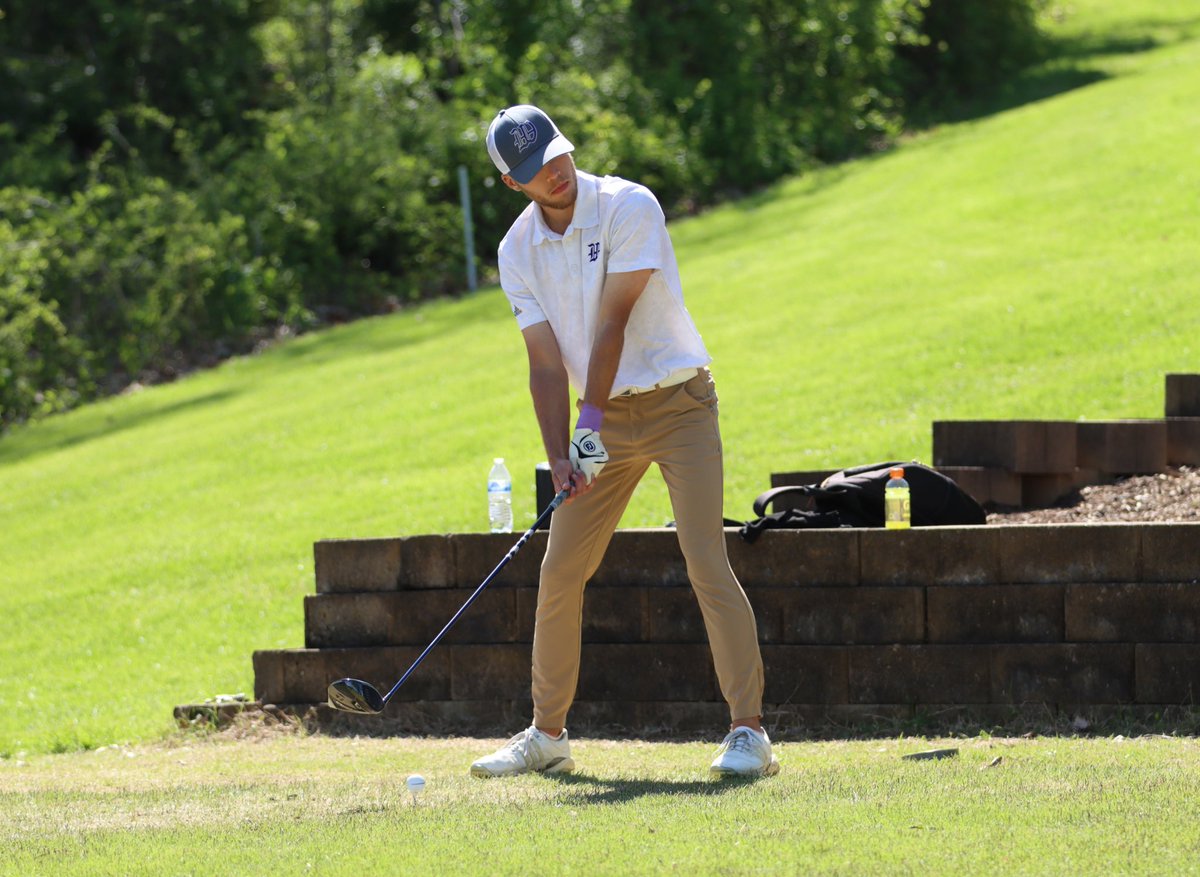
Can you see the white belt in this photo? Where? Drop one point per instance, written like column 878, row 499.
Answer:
column 680, row 376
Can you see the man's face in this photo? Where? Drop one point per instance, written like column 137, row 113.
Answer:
column 555, row 185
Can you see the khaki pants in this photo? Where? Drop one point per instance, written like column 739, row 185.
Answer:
column 675, row 427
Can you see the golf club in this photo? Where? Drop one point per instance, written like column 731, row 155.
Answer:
column 356, row 696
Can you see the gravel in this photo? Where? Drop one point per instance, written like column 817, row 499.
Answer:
column 1169, row 496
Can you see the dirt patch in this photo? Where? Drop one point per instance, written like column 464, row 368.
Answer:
column 1168, row 497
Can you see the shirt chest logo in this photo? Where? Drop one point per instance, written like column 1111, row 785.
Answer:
column 593, row 251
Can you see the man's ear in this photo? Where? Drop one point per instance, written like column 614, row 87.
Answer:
column 510, row 182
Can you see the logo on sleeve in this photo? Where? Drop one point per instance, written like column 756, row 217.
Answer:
column 593, row 251
column 517, row 311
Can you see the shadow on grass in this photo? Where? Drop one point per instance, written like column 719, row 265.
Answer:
column 1141, row 35
column 1004, row 720
column 1028, row 87
column 424, row 322
column 596, row 790
column 1067, row 64
column 90, row 423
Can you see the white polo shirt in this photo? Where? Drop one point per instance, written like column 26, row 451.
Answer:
column 618, row 226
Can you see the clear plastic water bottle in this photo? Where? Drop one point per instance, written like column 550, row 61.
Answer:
column 500, row 497
column 897, row 502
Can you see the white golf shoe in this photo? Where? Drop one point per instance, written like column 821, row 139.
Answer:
column 745, row 753
column 531, row 750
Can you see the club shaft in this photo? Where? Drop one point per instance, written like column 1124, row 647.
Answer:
column 512, row 552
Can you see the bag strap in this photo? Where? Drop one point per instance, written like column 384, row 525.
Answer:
column 765, row 499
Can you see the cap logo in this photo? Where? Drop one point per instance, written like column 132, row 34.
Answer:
column 524, row 135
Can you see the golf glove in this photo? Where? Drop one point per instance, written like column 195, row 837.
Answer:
column 587, row 453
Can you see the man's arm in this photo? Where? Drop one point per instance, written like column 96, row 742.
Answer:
column 587, row 453
column 550, row 389
column 621, row 293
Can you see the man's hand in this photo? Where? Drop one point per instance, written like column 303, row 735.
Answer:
column 587, row 453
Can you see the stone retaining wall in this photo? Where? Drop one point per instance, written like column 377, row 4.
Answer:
column 854, row 624
column 1035, row 463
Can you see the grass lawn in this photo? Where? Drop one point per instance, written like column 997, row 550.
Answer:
column 1036, row 262
column 274, row 803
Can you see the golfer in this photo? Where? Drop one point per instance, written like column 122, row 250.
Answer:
column 590, row 272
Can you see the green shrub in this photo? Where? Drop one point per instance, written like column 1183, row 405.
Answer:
column 42, row 368
column 352, row 197
column 968, row 48
column 189, row 182
column 133, row 270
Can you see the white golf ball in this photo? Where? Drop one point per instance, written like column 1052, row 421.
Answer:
column 416, row 783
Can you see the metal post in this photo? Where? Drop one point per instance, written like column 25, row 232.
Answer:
column 464, row 191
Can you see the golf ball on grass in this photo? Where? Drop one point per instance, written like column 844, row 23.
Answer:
column 416, row 784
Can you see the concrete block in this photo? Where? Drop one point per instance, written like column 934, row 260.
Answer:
column 1067, row 553
column 648, row 556
column 930, row 556
column 995, row 613
column 707, row 720
column 615, row 615
column 1034, row 447
column 268, row 675
column 854, row 615
column 427, row 562
column 1123, row 447
column 1170, row 553
column 1076, row 673
column 967, row 719
column 822, row 720
column 1183, row 395
column 918, row 674
column 350, row 620
column 526, row 613
column 613, row 718
column 384, row 666
column 648, row 672
column 1089, row 477
column 672, row 615
column 1183, row 441
column 343, row 565
column 481, row 718
column 475, row 555
column 305, row 676
column 1043, row 447
column 1043, row 491
column 417, row 617
column 483, row 672
column 1141, row 612
column 795, row 557
column 987, row 486
column 499, row 718
column 805, row 674
column 1168, row 673
column 770, row 612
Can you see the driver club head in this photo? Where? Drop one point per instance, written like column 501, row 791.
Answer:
column 355, row 696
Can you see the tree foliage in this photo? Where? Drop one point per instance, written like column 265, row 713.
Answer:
column 179, row 179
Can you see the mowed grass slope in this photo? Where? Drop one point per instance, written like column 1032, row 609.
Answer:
column 1040, row 262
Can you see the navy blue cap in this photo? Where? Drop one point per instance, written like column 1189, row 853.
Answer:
column 522, row 139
